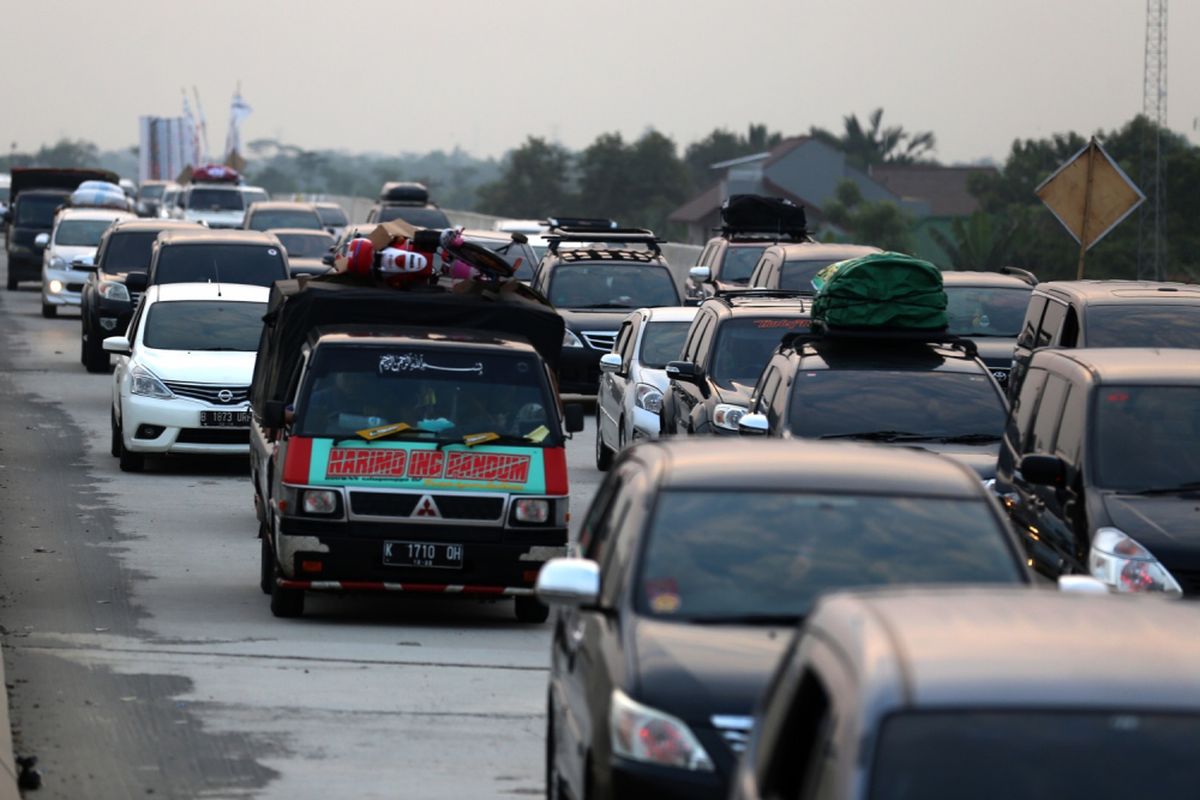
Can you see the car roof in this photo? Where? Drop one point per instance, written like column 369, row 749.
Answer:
column 239, row 292
column 225, row 187
column 773, row 464
column 95, row 213
column 881, row 354
column 818, row 250
column 179, row 236
column 980, row 647
column 153, row 224
column 400, row 336
column 669, row 313
column 280, row 205
column 321, row 232
column 981, row 278
column 1129, row 365
column 1099, row 292
column 328, row 204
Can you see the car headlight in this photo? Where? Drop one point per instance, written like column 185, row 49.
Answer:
column 570, row 339
column 112, row 290
column 648, row 397
column 58, row 262
column 642, row 733
column 55, row 286
column 1125, row 565
column 726, row 415
column 145, row 383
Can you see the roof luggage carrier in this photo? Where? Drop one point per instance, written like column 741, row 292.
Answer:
column 612, row 236
column 589, row 223
column 752, row 214
column 752, row 292
column 939, row 338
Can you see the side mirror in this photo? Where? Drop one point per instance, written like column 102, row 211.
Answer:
column 116, row 344
column 700, row 274
column 274, row 412
column 684, row 371
column 610, row 362
column 569, row 582
column 41, row 240
column 1043, row 470
column 136, row 282
column 754, row 425
column 573, row 417
column 83, row 262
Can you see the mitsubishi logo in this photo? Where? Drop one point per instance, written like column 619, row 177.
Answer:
column 427, row 508
column 225, row 396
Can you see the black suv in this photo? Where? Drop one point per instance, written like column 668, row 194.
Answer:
column 106, row 304
column 595, row 287
column 730, row 339
column 792, row 266
column 987, row 308
column 1100, row 466
column 898, row 389
column 408, row 201
column 255, row 258
column 1106, row 314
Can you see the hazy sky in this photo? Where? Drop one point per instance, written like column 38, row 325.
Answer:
column 484, row 74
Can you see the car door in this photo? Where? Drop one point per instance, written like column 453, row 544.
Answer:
column 692, row 410
column 684, row 395
column 1026, row 341
column 610, row 395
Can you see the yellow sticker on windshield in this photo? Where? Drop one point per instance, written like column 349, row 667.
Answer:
column 379, row 431
column 472, row 439
column 538, row 434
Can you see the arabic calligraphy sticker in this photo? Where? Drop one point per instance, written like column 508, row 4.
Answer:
column 396, row 363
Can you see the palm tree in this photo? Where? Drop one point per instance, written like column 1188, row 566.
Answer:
column 975, row 242
column 875, row 144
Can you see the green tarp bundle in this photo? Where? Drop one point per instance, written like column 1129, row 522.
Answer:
column 882, row 290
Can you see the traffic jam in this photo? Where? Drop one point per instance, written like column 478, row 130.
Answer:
column 861, row 527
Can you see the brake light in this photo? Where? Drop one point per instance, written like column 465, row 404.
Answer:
column 296, row 462
column 555, row 460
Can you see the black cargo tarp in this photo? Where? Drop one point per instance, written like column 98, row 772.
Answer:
column 753, row 213
column 297, row 307
column 28, row 178
column 881, row 290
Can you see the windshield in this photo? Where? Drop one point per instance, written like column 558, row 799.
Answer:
column 797, row 275
column 204, row 325
column 215, row 200
column 998, row 755
column 739, row 263
column 417, row 215
column 1150, row 437
column 81, row 232
column 255, row 196
column 257, row 264
column 705, row 557
column 839, row 402
column 662, row 342
column 129, row 251
column 151, row 192
column 611, row 286
column 744, row 345
column 266, row 219
column 332, row 216
column 985, row 311
column 1162, row 325
column 299, row 245
column 445, row 394
column 37, row 211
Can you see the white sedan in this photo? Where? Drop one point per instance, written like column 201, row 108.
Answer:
column 633, row 377
column 182, row 380
column 69, row 249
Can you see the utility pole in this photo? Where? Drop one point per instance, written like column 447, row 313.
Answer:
column 1152, row 244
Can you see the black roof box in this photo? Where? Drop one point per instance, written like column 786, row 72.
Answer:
column 580, row 223
column 406, row 192
column 754, row 213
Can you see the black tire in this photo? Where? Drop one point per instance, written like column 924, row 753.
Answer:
column 114, row 444
column 266, row 574
column 95, row 357
column 604, row 453
column 12, row 283
column 529, row 609
column 666, row 417
column 286, row 603
column 49, row 311
column 128, row 460
column 554, row 782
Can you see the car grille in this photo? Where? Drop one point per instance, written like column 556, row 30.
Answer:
column 600, row 340
column 214, row 436
column 379, row 504
column 134, row 297
column 735, row 730
column 1000, row 374
column 74, row 287
column 210, row 393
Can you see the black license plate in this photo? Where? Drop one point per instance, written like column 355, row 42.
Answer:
column 224, row 419
column 433, row 555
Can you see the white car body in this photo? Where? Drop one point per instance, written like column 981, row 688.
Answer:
column 5, row 185
column 625, row 408
column 61, row 284
column 189, row 375
column 216, row 217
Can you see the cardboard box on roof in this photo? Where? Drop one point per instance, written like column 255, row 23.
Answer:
column 380, row 237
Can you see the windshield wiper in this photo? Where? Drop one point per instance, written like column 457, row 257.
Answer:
column 604, row 305
column 789, row 620
column 1187, row 486
column 880, row 436
column 970, row 438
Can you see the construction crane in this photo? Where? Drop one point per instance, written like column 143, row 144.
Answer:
column 1152, row 244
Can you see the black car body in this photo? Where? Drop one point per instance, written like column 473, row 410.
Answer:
column 408, row 201
column 594, row 288
column 1106, row 314
column 231, row 256
column 105, row 303
column 936, row 395
column 792, row 266
column 899, row 694
column 729, row 341
column 1100, row 466
column 696, row 558
column 988, row 308
column 149, row 197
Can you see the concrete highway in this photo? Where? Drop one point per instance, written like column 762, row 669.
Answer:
column 143, row 661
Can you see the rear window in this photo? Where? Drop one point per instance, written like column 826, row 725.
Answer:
column 299, row 245
column 743, row 346
column 332, row 216
column 284, row 218
column 257, row 265
column 37, row 211
column 81, row 232
column 129, row 251
column 215, row 200
column 996, row 755
column 797, row 275
column 152, row 192
column 986, row 310
column 416, row 215
column 739, row 263
column 1163, row 325
column 204, row 325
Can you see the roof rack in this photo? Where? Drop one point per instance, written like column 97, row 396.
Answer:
column 614, row 235
column 940, row 338
column 1023, row 274
column 763, row 292
column 796, row 235
column 590, row 223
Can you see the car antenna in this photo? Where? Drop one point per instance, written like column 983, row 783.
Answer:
column 217, row 272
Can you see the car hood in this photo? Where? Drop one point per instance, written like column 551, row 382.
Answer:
column 594, row 319
column 736, row 393
column 68, row 252
column 227, row 368
column 696, row 671
column 979, row 457
column 1168, row 525
column 655, row 377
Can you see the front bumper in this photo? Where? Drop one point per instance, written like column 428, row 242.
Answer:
column 179, row 421
column 72, row 283
column 579, row 370
column 635, row 779
column 646, row 424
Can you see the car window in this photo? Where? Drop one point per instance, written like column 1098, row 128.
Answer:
column 1046, row 423
column 128, row 251
column 257, row 265
column 1024, row 407
column 986, row 310
column 739, row 263
column 770, row 383
column 215, row 200
column 1147, row 325
column 81, row 232
column 797, row 545
column 332, row 217
column 596, row 524
column 1146, row 437
column 285, row 218
column 299, row 245
column 744, row 345
column 415, row 215
column 1069, row 441
column 1052, row 322
column 1033, row 318
column 36, row 211
column 621, row 343
column 705, row 257
column 200, row 325
column 611, row 286
column 695, row 334
column 662, row 342
column 798, row 275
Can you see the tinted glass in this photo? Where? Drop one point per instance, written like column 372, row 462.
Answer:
column 151, row 192
column 129, row 251
column 744, row 345
column 215, row 200
column 257, row 265
column 1143, row 326
column 81, row 232
column 739, row 263
column 1065, row 755
column 1146, row 437
column 4, row 190
column 662, row 342
column 204, row 325
column 798, row 275
column 1052, row 321
column 417, row 215
column 936, row 404
column 706, row 557
column 445, row 394
column 332, row 216
column 984, row 311
column 611, row 286
column 285, row 218
column 37, row 211
column 300, row 246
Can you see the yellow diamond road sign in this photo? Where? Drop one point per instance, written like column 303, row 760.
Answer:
column 1090, row 194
